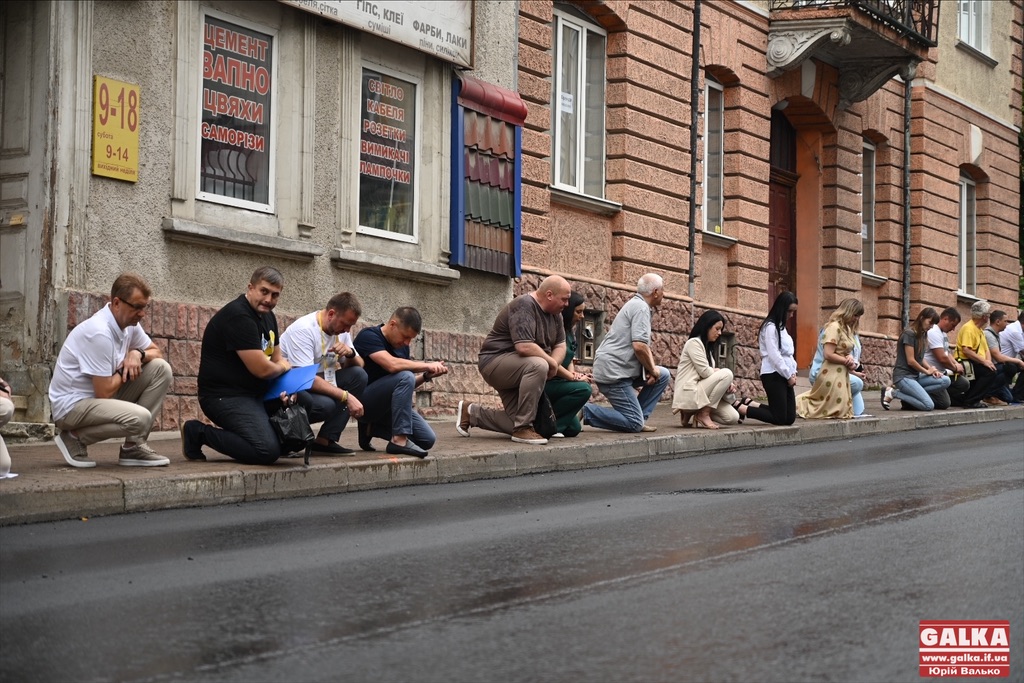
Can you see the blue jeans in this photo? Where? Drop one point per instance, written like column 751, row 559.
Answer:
column 856, row 389
column 246, row 433
column 915, row 391
column 333, row 413
column 629, row 411
column 387, row 405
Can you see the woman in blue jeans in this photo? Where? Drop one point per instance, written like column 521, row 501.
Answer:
column 913, row 378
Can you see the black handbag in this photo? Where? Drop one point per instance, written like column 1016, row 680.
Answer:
column 291, row 422
column 545, row 424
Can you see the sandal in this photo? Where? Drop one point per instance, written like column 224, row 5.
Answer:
column 738, row 403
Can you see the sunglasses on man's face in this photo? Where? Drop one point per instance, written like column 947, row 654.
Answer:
column 137, row 307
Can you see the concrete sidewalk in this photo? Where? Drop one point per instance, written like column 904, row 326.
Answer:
column 47, row 489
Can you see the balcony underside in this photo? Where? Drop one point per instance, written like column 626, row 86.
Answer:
column 866, row 52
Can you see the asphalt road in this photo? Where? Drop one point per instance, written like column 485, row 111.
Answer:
column 813, row 562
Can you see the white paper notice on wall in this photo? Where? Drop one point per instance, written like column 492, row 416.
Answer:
column 566, row 105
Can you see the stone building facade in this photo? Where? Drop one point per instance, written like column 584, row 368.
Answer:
column 800, row 158
column 790, row 159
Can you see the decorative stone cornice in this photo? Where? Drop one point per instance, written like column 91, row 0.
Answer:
column 791, row 42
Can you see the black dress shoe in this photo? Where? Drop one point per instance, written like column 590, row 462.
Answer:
column 365, row 435
column 332, row 448
column 408, row 449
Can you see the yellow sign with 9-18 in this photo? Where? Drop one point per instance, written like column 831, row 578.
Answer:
column 115, row 129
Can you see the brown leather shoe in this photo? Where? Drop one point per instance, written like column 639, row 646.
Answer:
column 993, row 401
column 528, row 435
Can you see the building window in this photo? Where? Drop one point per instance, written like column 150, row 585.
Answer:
column 387, row 155
column 714, row 155
column 578, row 105
column 236, row 131
column 867, row 210
column 974, row 19
column 968, row 237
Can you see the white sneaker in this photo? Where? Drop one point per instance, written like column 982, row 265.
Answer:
column 141, row 455
column 73, row 450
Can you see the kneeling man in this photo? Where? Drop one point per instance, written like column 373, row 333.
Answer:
column 322, row 338
column 110, row 381
column 392, row 379
column 239, row 357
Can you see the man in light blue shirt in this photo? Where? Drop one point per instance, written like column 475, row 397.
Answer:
column 624, row 363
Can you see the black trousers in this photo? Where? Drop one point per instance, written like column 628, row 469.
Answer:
column 981, row 386
column 781, row 406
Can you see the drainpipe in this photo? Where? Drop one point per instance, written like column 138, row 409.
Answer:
column 694, row 107
column 907, row 74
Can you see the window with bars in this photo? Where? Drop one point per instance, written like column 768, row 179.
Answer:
column 236, row 128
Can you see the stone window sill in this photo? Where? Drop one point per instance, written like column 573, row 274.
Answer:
column 872, row 280
column 238, row 240
column 583, row 201
column 964, row 297
column 718, row 240
column 393, row 266
column 977, row 54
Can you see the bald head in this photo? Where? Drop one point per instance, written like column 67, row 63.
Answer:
column 553, row 294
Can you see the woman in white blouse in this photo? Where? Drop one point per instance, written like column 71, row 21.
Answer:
column 778, row 366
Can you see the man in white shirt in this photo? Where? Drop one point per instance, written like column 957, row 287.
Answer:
column 937, row 355
column 1008, row 364
column 323, row 338
column 110, row 380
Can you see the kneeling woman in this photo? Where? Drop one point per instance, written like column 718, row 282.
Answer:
column 831, row 395
column 569, row 390
column 700, row 387
column 913, row 379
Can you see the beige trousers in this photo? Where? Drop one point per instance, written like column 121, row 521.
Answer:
column 520, row 382
column 129, row 414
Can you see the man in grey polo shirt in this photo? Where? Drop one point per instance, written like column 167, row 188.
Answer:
column 624, row 362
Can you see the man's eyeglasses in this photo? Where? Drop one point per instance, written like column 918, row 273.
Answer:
column 137, row 307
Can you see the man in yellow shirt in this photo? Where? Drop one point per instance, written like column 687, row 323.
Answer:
column 972, row 347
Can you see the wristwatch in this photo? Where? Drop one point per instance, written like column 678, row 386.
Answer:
column 143, row 352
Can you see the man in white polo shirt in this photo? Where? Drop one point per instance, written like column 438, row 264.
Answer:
column 323, row 338
column 110, row 380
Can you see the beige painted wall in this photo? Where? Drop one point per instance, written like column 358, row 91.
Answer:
column 123, row 221
column 961, row 71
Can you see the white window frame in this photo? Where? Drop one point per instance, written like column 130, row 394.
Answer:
column 710, row 85
column 967, row 261
column 417, row 169
column 561, row 21
column 974, row 19
column 274, row 123
column 867, row 219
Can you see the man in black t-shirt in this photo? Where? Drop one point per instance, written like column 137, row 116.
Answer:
column 392, row 378
column 239, row 356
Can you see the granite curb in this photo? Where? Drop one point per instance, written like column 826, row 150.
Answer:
column 47, row 489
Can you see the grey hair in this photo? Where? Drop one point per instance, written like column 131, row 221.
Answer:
column 979, row 309
column 268, row 274
column 649, row 283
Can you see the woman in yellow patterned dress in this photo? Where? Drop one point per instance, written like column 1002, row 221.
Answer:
column 831, row 397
